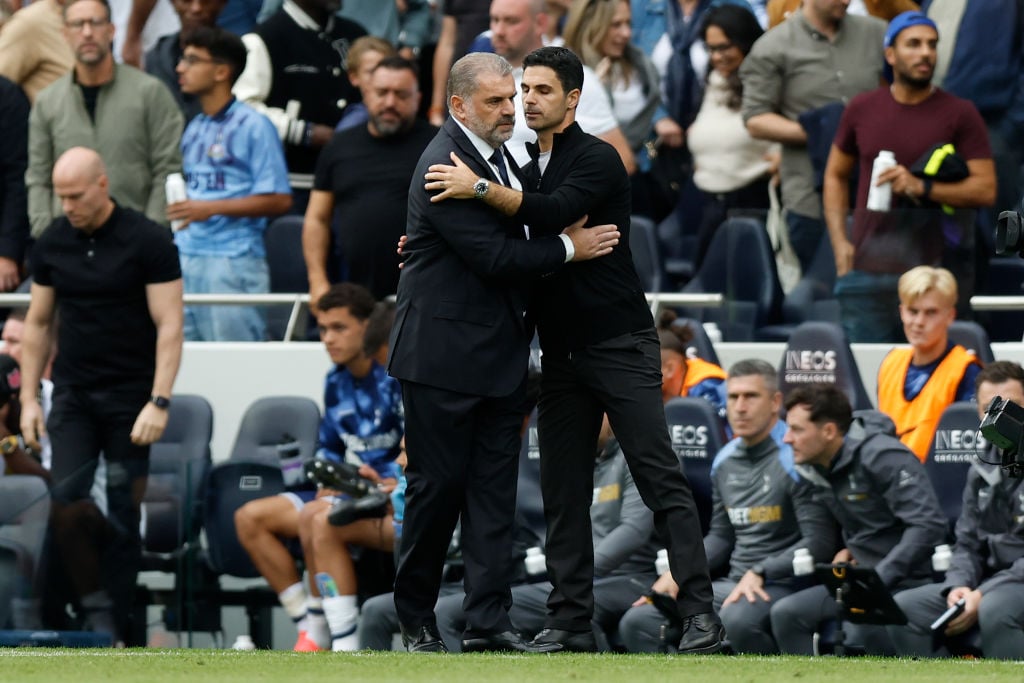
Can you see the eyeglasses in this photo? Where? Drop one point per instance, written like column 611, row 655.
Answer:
column 80, row 24
column 724, row 47
column 192, row 60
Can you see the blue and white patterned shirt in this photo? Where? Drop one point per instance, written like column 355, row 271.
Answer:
column 363, row 417
column 234, row 153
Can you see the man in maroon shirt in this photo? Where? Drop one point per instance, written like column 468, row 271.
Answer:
column 907, row 118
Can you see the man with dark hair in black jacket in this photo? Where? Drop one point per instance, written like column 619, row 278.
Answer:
column 601, row 355
column 877, row 490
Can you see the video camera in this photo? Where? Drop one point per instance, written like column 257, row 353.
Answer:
column 365, row 499
column 1003, row 426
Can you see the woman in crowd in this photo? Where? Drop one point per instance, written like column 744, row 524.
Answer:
column 731, row 169
column 599, row 32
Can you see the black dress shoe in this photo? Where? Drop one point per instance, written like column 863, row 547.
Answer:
column 558, row 640
column 506, row 641
column 703, row 635
column 423, row 639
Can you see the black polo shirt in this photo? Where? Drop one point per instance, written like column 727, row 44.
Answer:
column 105, row 335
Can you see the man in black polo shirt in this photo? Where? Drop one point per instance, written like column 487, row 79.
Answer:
column 600, row 355
column 114, row 278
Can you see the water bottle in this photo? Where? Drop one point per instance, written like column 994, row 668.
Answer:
column 243, row 642
column 661, row 562
column 880, row 196
column 941, row 559
column 536, row 563
column 803, row 563
column 175, row 190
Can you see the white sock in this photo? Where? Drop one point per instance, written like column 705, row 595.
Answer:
column 293, row 599
column 316, row 623
column 342, row 613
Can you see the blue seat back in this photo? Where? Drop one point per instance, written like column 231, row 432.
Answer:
column 697, row 434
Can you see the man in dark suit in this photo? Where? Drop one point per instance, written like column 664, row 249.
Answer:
column 460, row 347
column 601, row 355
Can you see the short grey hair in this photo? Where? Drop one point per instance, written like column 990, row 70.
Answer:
column 756, row 366
column 462, row 80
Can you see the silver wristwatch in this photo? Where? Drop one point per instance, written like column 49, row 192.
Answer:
column 480, row 188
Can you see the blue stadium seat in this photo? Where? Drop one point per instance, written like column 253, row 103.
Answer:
column 697, row 434
column 819, row 353
column 643, row 244
column 972, row 337
column 283, row 241
column 701, row 345
column 740, row 265
column 810, row 299
column 957, row 443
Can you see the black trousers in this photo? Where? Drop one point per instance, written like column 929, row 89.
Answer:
column 620, row 377
column 463, row 460
column 84, row 423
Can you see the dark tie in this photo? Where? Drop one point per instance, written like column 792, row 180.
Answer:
column 498, row 161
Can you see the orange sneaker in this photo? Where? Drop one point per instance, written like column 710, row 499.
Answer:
column 306, row 644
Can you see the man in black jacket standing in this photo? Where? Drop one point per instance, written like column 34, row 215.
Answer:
column 601, row 355
column 460, row 347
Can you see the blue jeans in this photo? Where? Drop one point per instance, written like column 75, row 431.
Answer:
column 224, row 275
column 869, row 307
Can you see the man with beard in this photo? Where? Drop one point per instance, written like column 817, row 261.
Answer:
column 460, row 346
column 600, row 355
column 128, row 117
column 907, row 118
column 361, row 184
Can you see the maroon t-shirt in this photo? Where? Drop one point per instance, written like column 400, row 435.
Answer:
column 873, row 121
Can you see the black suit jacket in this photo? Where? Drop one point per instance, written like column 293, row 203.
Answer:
column 463, row 291
column 594, row 300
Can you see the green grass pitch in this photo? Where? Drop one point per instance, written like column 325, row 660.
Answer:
column 28, row 665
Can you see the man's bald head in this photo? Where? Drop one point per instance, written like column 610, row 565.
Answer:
column 80, row 182
column 79, row 162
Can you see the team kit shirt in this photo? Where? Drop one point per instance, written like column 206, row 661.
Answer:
column 234, row 153
column 363, row 418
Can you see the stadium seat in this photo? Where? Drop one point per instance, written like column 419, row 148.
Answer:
column 178, row 465
column 254, row 471
column 740, row 265
column 697, row 434
column 24, row 517
column 819, row 353
column 810, row 299
column 643, row 244
column 972, row 337
column 701, row 345
column 957, row 443
column 283, row 241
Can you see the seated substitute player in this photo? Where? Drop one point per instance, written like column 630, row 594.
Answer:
column 915, row 385
column 880, row 495
column 762, row 512
column 987, row 567
column 363, row 422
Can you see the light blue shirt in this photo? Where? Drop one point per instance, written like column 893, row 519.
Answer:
column 233, row 154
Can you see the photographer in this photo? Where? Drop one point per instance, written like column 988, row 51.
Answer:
column 363, row 422
column 987, row 568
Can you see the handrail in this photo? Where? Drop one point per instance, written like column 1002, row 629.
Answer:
column 298, row 301
column 997, row 303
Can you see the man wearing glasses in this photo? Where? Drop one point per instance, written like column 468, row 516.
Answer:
column 128, row 117
column 236, row 175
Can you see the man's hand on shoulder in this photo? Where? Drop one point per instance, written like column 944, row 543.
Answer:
column 592, row 242
column 451, row 182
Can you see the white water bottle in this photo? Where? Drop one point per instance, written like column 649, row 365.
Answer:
column 176, row 192
column 243, row 642
column 661, row 562
column 536, row 563
column 880, row 196
column 803, row 563
column 942, row 558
